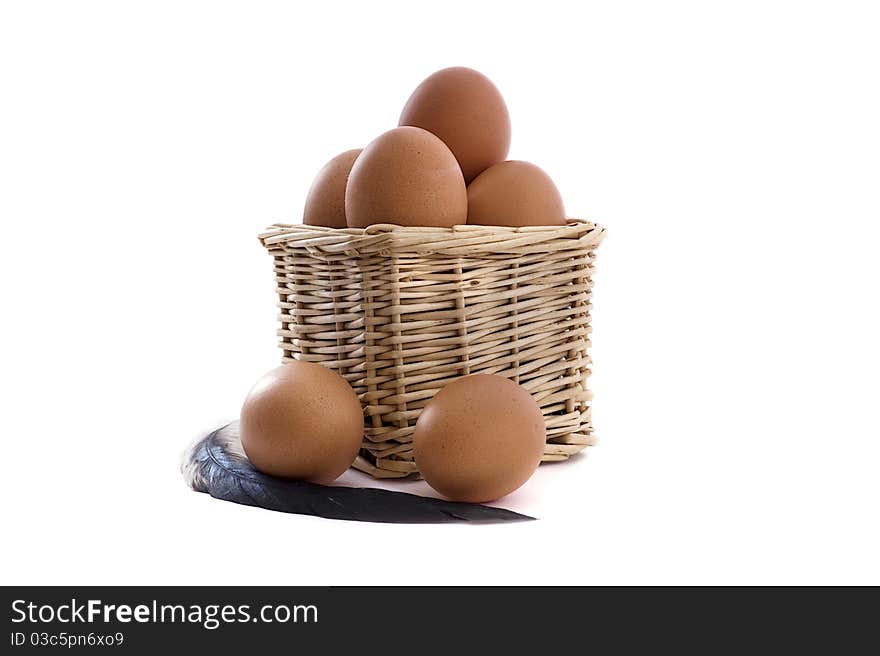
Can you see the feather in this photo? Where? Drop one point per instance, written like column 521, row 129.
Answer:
column 217, row 465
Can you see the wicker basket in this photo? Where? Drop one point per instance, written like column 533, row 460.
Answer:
column 399, row 312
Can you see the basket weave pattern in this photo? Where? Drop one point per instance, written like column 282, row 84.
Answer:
column 400, row 312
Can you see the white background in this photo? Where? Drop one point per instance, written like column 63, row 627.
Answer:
column 731, row 149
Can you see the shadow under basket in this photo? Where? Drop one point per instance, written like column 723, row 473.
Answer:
column 400, row 312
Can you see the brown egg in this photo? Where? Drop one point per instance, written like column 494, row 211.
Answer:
column 479, row 438
column 302, row 421
column 464, row 109
column 514, row 193
column 408, row 177
column 325, row 204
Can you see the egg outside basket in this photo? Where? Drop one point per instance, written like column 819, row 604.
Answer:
column 400, row 312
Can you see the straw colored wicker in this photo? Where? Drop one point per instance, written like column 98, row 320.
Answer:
column 400, row 312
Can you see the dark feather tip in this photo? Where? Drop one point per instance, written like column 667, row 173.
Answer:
column 216, row 465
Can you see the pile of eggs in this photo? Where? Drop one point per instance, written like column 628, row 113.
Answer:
column 444, row 165
column 480, row 437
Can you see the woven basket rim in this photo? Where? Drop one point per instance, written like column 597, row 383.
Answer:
column 458, row 240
